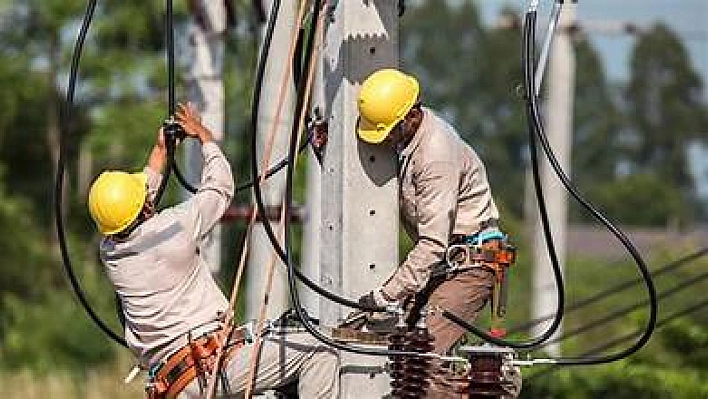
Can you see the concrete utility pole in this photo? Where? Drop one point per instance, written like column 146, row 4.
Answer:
column 205, row 89
column 261, row 252
column 359, row 225
column 559, row 123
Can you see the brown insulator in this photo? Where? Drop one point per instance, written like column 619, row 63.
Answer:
column 396, row 366
column 486, row 376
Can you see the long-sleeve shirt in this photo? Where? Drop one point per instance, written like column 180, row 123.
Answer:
column 443, row 191
column 164, row 284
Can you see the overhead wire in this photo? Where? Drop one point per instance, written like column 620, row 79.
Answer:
column 672, row 266
column 626, row 337
column 623, row 311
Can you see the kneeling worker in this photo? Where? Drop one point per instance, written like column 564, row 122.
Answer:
column 172, row 306
column 444, row 198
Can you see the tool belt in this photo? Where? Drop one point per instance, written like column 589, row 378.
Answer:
column 491, row 251
column 196, row 359
column 468, row 252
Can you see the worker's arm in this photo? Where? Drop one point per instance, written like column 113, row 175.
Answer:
column 216, row 190
column 436, row 206
column 156, row 163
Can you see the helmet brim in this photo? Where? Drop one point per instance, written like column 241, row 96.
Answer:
column 370, row 132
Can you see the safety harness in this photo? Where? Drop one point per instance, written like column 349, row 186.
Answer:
column 166, row 379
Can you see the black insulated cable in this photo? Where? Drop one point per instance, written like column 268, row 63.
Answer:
column 536, row 131
column 170, row 127
column 539, row 130
column 59, row 182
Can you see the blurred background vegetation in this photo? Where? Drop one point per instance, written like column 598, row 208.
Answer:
column 630, row 158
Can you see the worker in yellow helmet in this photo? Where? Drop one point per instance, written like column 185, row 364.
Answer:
column 172, row 306
column 444, row 198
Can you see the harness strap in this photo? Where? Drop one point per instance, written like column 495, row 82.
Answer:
column 196, row 359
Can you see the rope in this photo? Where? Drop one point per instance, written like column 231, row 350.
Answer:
column 268, row 149
column 253, row 361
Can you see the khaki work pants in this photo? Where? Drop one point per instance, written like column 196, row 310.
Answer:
column 465, row 296
column 284, row 359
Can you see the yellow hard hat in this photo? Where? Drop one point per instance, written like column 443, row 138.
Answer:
column 116, row 199
column 385, row 98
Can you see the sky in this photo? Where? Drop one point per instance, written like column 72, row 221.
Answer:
column 688, row 18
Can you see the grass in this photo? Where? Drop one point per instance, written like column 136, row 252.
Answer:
column 100, row 383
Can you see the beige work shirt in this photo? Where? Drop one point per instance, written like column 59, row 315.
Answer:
column 443, row 190
column 164, row 284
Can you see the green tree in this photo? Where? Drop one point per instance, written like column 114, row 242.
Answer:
column 596, row 120
column 664, row 103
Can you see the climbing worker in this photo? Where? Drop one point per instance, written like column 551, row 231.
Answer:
column 173, row 307
column 444, row 198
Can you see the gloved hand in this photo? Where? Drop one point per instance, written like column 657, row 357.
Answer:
column 373, row 298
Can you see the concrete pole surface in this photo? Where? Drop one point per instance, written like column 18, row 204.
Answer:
column 205, row 89
column 559, row 123
column 261, row 252
column 359, row 214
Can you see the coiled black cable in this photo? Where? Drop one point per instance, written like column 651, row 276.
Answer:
column 537, row 132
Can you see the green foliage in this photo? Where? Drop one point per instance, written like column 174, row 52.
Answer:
column 595, row 141
column 49, row 333
column 26, row 261
column 688, row 341
column 665, row 108
column 621, row 380
column 640, row 199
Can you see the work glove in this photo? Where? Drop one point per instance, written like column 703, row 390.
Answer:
column 377, row 322
column 373, row 298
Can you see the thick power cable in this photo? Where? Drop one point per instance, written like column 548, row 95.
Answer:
column 171, row 129
column 536, row 131
column 533, row 115
column 59, row 182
